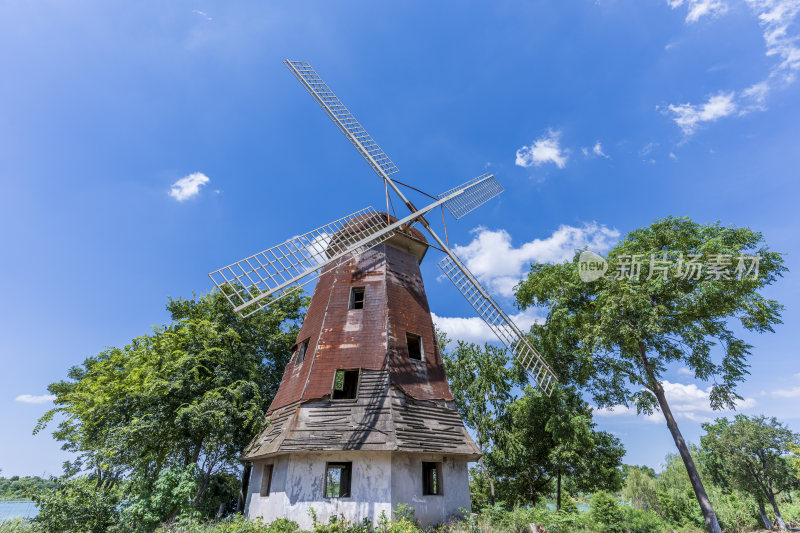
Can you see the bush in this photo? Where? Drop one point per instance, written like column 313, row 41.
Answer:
column 639, row 521
column 171, row 496
column 231, row 524
column 16, row 525
column 76, row 506
column 606, row 513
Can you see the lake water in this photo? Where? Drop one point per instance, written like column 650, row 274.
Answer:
column 10, row 510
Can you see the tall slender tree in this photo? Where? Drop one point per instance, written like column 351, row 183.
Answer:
column 672, row 295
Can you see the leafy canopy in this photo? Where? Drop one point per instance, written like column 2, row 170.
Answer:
column 752, row 454
column 191, row 392
column 600, row 333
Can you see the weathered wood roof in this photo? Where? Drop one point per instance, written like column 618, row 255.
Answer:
column 382, row 417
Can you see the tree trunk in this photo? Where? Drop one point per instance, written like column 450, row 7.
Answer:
column 764, row 517
column 778, row 518
column 488, row 478
column 710, row 518
column 242, row 500
column 203, row 487
column 558, row 492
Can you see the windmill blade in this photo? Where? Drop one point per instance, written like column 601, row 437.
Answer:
column 499, row 322
column 258, row 280
column 343, row 118
column 478, row 191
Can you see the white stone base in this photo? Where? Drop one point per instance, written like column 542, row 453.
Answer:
column 380, row 481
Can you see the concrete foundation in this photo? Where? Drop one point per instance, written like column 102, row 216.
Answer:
column 380, row 481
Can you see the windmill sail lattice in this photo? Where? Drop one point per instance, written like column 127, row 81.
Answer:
column 481, row 190
column 499, row 322
column 343, row 118
column 256, row 281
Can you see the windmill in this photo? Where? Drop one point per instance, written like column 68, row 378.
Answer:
column 364, row 419
column 256, row 281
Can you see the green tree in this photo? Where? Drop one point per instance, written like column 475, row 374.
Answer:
column 752, row 454
column 481, row 381
column 76, row 505
column 547, row 438
column 193, row 392
column 617, row 337
column 640, row 487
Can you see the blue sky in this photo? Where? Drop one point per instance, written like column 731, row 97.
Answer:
column 596, row 116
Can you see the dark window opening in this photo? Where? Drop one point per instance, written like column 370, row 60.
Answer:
column 266, row 480
column 302, row 348
column 337, row 480
column 431, row 479
column 357, row 298
column 414, row 343
column 345, row 385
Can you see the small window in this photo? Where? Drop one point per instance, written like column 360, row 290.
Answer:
column 431, row 479
column 302, row 348
column 345, row 385
column 414, row 343
column 357, row 298
column 266, row 480
column 337, row 480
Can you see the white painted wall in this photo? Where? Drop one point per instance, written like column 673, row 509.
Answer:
column 380, row 481
column 298, row 485
column 430, row 510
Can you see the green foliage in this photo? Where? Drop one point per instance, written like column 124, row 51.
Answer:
column 16, row 525
column 597, row 332
column 676, row 500
column 640, row 521
column 193, row 391
column 232, row 524
column 752, row 454
column 170, row 496
column 543, row 436
column 615, row 337
column 606, row 512
column 77, row 506
column 339, row 524
column 640, row 488
column 18, row 488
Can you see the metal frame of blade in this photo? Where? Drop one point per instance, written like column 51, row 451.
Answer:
column 499, row 322
column 284, row 268
column 343, row 118
column 479, row 191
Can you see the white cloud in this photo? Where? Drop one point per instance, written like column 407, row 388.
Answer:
column 794, row 392
column 497, row 263
column 188, row 186
column 689, row 116
column 545, row 149
column 685, row 371
column 700, row 8
column 598, row 150
column 474, row 329
column 30, row 398
column 777, row 19
column 202, row 14
column 686, row 401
